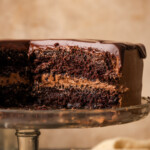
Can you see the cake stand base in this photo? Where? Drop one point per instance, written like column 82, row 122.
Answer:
column 27, row 139
column 28, row 122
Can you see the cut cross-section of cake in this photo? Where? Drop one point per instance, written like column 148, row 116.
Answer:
column 86, row 74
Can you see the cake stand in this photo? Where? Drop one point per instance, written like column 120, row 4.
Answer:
column 27, row 123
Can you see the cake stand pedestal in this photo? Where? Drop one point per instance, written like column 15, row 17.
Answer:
column 28, row 122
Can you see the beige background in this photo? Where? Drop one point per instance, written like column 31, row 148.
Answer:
column 123, row 20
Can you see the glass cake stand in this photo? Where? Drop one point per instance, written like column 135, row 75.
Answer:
column 28, row 122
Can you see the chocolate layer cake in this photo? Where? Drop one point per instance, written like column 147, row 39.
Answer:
column 55, row 74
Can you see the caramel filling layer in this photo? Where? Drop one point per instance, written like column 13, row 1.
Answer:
column 47, row 80
column 14, row 78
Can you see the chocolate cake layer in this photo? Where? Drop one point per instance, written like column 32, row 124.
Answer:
column 74, row 98
column 15, row 95
column 79, row 62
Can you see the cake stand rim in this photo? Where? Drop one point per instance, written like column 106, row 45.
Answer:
column 54, row 119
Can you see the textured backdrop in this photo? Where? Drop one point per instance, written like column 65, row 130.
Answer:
column 127, row 20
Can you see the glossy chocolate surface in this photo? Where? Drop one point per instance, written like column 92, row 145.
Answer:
column 111, row 46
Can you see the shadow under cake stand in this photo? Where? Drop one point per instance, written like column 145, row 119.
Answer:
column 28, row 122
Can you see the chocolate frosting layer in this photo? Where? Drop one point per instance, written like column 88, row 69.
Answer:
column 104, row 45
column 48, row 80
column 14, row 44
column 128, row 46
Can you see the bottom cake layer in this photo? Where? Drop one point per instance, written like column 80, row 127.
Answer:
column 75, row 98
column 15, row 95
column 23, row 96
